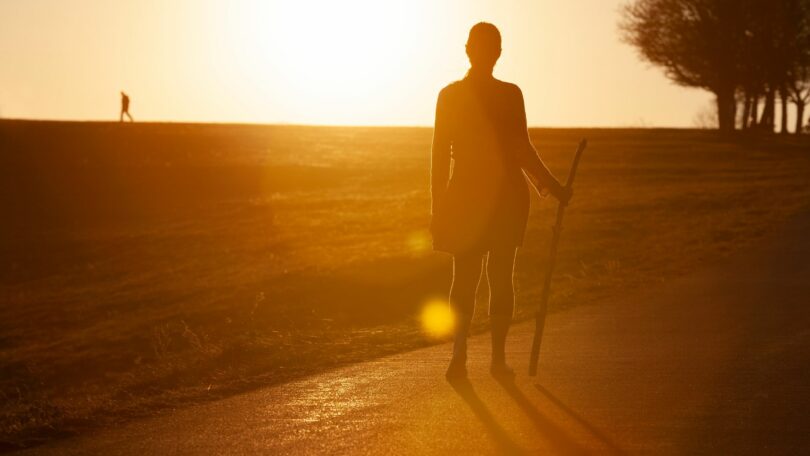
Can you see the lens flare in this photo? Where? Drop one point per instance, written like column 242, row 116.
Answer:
column 419, row 242
column 437, row 319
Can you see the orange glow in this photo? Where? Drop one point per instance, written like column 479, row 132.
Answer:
column 419, row 242
column 438, row 320
column 352, row 62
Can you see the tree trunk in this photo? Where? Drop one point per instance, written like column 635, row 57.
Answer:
column 746, row 111
column 752, row 121
column 766, row 121
column 799, row 117
column 726, row 106
column 783, row 95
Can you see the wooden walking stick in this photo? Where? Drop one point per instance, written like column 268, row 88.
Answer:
column 540, row 320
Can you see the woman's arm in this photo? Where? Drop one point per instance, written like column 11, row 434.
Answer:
column 440, row 153
column 530, row 161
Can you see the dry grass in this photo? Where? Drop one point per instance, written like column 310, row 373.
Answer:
column 147, row 266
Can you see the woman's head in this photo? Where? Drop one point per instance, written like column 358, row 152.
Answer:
column 484, row 46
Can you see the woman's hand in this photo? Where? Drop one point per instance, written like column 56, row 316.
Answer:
column 563, row 194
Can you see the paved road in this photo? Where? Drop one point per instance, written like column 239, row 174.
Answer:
column 712, row 363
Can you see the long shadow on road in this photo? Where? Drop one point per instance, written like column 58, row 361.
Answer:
column 610, row 446
column 556, row 436
column 560, row 441
column 505, row 443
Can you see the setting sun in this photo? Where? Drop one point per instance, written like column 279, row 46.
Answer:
column 335, row 59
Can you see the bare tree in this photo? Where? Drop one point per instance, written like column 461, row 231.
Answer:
column 696, row 42
column 797, row 88
column 729, row 47
column 799, row 94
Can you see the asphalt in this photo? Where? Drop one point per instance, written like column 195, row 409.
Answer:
column 715, row 362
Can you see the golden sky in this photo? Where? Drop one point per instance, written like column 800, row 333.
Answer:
column 358, row 62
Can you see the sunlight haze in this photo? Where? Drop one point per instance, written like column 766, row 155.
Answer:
column 354, row 62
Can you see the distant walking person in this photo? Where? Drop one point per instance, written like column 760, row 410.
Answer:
column 480, row 211
column 125, row 107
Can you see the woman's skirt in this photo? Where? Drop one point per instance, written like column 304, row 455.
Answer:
column 478, row 216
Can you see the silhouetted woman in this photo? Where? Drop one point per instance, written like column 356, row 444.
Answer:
column 480, row 211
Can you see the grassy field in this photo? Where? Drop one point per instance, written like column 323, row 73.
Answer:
column 149, row 266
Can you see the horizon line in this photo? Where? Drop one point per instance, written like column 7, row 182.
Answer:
column 291, row 124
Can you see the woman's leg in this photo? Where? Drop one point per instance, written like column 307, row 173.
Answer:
column 466, row 274
column 500, row 268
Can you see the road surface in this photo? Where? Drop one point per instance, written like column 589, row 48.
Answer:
column 715, row 362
